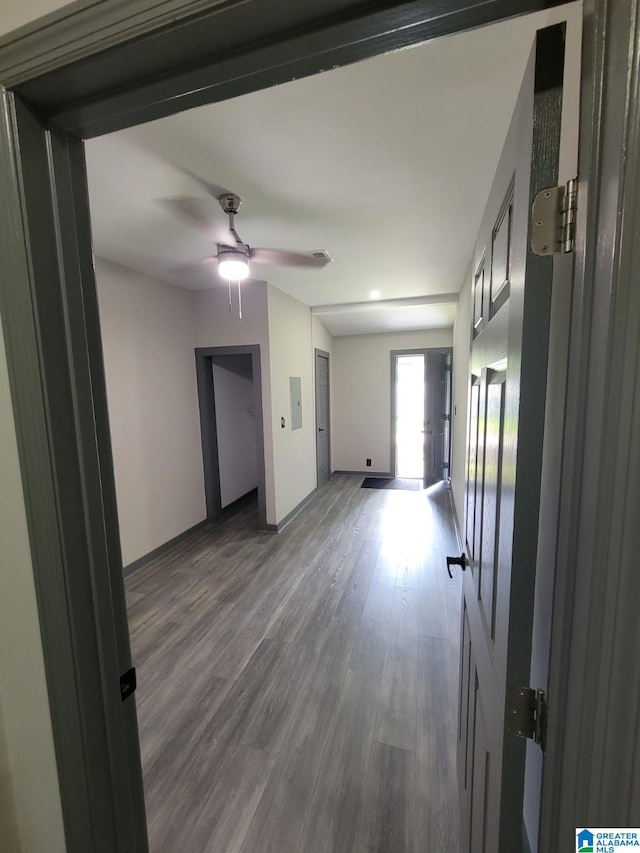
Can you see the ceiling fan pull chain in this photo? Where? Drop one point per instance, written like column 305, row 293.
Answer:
column 230, row 302
column 239, row 301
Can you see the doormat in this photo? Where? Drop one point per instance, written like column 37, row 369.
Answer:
column 391, row 483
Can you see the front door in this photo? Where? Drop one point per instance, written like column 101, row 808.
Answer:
column 437, row 402
column 408, row 413
column 510, row 326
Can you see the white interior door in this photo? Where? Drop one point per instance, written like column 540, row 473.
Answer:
column 510, row 328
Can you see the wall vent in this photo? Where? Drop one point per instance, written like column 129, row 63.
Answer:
column 321, row 253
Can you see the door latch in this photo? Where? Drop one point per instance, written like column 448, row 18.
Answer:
column 456, row 561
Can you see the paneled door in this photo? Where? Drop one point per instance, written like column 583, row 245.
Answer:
column 437, row 414
column 510, row 327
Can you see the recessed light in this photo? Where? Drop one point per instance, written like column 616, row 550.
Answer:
column 375, row 294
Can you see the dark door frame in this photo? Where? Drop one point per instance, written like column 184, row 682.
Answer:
column 322, row 354
column 98, row 66
column 208, row 426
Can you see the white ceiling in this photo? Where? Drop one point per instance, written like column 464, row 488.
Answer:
column 387, row 164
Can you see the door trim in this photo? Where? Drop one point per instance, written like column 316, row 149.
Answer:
column 54, row 354
column 45, row 241
column 208, row 426
column 322, row 354
column 256, row 43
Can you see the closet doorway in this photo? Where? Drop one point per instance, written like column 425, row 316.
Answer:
column 230, row 397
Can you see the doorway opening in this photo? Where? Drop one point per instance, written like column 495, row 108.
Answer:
column 230, row 397
column 323, row 419
column 421, row 414
column 409, row 427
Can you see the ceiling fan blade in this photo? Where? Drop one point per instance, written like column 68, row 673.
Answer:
column 196, row 266
column 214, row 190
column 313, row 260
column 197, row 211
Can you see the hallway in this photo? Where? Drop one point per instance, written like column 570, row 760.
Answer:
column 298, row 692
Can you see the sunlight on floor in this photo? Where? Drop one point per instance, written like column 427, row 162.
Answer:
column 406, row 531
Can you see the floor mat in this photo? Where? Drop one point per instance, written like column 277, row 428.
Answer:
column 391, row 483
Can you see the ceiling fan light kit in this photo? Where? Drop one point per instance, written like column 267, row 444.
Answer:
column 233, row 263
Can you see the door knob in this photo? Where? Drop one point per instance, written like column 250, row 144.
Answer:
column 456, row 561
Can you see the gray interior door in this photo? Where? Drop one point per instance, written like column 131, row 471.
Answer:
column 436, row 414
column 505, row 434
column 322, row 418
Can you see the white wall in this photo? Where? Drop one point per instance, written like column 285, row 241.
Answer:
column 235, row 426
column 150, row 330
column 321, row 337
column 30, row 813
column 291, row 355
column 216, row 326
column 361, row 378
column 461, row 350
column 147, row 333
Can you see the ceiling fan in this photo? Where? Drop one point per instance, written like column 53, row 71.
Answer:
column 232, row 254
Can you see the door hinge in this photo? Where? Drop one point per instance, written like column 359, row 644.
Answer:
column 128, row 683
column 553, row 219
column 527, row 714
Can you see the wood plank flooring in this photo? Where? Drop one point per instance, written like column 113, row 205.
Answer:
column 298, row 693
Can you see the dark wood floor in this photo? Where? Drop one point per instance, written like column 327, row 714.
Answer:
column 298, row 692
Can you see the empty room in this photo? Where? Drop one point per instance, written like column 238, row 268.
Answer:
column 297, row 649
